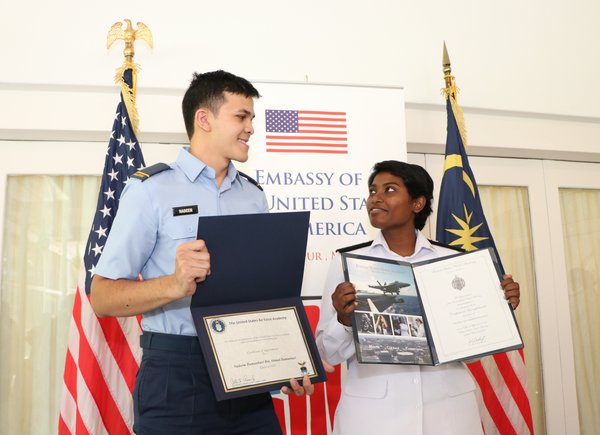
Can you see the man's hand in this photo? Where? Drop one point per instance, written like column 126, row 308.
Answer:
column 344, row 302
column 299, row 390
column 192, row 265
column 307, row 387
column 512, row 291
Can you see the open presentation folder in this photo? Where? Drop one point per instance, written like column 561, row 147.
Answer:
column 248, row 313
column 432, row 312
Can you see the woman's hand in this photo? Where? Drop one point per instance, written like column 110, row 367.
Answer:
column 344, row 302
column 512, row 290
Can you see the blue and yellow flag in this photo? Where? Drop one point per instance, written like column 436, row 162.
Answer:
column 501, row 378
column 460, row 218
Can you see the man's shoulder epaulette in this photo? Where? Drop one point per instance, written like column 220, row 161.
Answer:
column 443, row 245
column 353, row 247
column 145, row 173
column 250, row 179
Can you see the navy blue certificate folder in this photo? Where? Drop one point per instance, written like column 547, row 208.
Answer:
column 257, row 266
column 253, row 257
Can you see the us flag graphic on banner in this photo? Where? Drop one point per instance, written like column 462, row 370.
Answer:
column 103, row 354
column 306, row 131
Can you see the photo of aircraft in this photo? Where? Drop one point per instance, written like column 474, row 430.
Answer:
column 393, row 288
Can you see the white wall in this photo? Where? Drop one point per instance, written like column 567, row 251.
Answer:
column 527, row 70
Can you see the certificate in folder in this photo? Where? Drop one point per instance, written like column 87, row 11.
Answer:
column 433, row 312
column 248, row 313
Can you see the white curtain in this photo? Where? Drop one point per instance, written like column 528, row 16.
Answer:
column 507, row 212
column 47, row 220
column 580, row 211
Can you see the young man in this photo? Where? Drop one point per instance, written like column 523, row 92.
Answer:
column 154, row 235
column 397, row 399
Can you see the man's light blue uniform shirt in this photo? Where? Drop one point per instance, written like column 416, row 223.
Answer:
column 145, row 233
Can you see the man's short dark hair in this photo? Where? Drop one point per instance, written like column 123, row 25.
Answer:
column 417, row 181
column 206, row 90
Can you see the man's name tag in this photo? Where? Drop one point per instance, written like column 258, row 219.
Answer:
column 188, row 209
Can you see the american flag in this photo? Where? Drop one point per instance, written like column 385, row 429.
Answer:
column 306, row 131
column 103, row 354
column 501, row 378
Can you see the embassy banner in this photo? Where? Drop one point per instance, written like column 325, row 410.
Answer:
column 313, row 149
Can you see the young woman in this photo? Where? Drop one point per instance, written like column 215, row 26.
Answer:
column 396, row 399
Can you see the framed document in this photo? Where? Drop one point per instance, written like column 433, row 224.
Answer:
column 248, row 313
column 433, row 312
column 257, row 347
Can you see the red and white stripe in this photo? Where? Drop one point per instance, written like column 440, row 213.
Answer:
column 504, row 405
column 311, row 415
column 102, row 361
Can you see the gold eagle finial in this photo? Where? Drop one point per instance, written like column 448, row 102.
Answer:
column 129, row 36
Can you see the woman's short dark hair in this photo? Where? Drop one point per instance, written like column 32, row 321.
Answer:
column 417, row 181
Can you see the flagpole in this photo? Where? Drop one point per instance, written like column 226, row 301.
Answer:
column 448, row 77
column 451, row 93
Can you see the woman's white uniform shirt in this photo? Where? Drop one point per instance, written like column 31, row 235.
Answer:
column 394, row 399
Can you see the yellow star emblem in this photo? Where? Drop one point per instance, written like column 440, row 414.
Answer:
column 465, row 240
